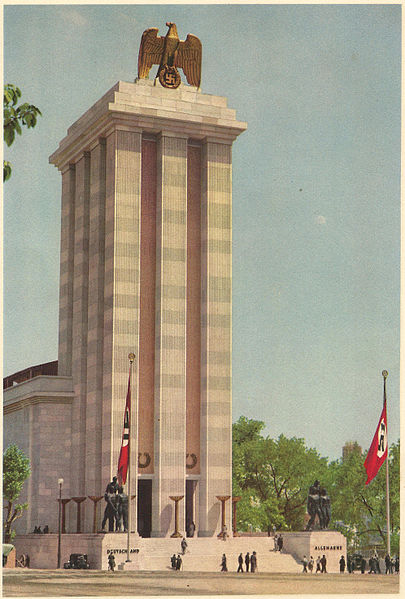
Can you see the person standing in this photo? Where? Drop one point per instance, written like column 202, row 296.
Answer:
column 280, row 542
column 387, row 564
column 253, row 562
column 349, row 564
column 323, row 564
column 173, row 561
column 311, row 564
column 223, row 563
column 397, row 565
column 275, row 542
column 240, row 562
column 318, row 564
column 363, row 565
column 342, row 564
column 179, row 562
column 304, row 564
column 183, row 546
column 247, row 561
column 111, row 562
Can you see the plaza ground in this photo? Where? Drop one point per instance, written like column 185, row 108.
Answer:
column 52, row 583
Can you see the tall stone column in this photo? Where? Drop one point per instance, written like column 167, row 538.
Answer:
column 95, row 336
column 79, row 325
column 66, row 271
column 170, row 334
column 121, row 293
column 216, row 334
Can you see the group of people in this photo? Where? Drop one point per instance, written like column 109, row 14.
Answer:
column 308, row 564
column 116, row 510
column 391, row 564
column 176, row 562
column 318, row 504
column 37, row 530
column 278, row 542
column 250, row 561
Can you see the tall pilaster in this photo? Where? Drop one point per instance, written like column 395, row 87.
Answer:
column 216, row 334
column 95, row 337
column 66, row 270
column 170, row 339
column 79, row 325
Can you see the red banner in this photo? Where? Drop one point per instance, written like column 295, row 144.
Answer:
column 378, row 449
column 124, row 453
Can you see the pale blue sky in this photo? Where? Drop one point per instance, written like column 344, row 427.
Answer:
column 316, row 194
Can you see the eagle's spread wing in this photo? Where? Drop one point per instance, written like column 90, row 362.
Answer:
column 189, row 59
column 150, row 51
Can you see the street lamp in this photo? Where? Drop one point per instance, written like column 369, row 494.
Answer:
column 60, row 483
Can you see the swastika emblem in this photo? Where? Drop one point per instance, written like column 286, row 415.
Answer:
column 169, row 77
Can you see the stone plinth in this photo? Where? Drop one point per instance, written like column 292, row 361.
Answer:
column 330, row 543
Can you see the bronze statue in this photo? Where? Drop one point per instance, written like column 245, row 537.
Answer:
column 170, row 52
column 313, row 504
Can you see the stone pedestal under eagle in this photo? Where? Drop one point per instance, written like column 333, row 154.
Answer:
column 170, row 52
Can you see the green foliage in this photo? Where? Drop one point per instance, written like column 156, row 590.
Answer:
column 16, row 470
column 272, row 477
column 362, row 509
column 14, row 117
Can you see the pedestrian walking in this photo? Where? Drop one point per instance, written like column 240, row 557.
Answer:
column 396, row 565
column 363, row 565
column 311, row 564
column 179, row 562
column 247, row 561
column 349, row 565
column 280, row 542
column 323, row 564
column 318, row 564
column 253, row 562
column 223, row 563
column 305, row 564
column 111, row 562
column 275, row 542
column 342, row 564
column 173, row 561
column 183, row 546
column 240, row 563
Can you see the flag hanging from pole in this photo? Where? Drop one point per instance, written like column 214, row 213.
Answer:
column 124, row 453
column 378, row 451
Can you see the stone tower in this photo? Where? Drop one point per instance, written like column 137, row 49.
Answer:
column 146, row 267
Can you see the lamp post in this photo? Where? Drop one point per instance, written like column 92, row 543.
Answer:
column 60, row 483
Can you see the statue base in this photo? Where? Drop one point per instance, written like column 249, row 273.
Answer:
column 316, row 543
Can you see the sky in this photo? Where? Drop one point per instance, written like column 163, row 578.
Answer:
column 316, row 194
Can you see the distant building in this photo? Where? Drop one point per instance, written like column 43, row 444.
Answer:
column 350, row 447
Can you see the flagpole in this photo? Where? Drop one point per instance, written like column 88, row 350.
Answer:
column 131, row 358
column 387, row 479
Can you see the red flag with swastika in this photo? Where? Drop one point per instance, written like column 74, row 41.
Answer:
column 124, row 453
column 378, row 449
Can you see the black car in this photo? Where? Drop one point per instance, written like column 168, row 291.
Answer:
column 355, row 561
column 77, row 561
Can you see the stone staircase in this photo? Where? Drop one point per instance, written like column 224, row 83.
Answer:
column 205, row 554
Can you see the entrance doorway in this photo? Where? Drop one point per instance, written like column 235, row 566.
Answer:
column 144, row 507
column 190, row 494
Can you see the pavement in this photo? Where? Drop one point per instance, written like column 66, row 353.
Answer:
column 82, row 583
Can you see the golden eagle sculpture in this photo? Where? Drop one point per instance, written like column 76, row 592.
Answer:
column 170, row 52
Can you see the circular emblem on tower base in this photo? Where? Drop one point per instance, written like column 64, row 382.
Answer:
column 169, row 77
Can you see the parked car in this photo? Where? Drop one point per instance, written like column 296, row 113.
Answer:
column 355, row 559
column 77, row 561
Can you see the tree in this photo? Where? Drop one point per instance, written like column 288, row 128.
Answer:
column 15, row 116
column 16, row 470
column 360, row 508
column 272, row 477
